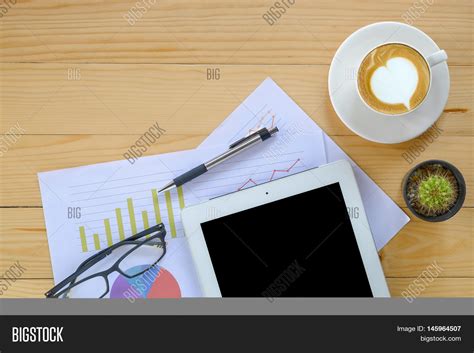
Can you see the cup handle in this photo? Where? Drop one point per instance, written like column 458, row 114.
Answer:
column 437, row 58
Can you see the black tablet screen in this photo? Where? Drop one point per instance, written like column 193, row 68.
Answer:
column 300, row 246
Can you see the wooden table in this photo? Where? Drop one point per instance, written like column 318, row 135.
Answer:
column 84, row 84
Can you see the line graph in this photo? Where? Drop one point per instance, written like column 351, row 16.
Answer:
column 257, row 121
column 283, row 170
column 259, row 125
column 250, row 180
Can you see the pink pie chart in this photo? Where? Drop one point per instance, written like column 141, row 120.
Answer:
column 155, row 283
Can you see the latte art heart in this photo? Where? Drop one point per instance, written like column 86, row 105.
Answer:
column 393, row 79
column 395, row 82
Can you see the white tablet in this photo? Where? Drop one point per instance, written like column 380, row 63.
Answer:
column 304, row 235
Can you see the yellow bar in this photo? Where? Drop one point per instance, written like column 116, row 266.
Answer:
column 131, row 214
column 108, row 232
column 82, row 232
column 180, row 197
column 96, row 241
column 145, row 221
column 169, row 206
column 118, row 214
column 156, row 206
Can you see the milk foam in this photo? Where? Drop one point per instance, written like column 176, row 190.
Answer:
column 395, row 82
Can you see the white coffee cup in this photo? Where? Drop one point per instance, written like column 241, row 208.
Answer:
column 432, row 60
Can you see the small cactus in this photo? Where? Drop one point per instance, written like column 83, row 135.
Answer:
column 436, row 193
column 432, row 190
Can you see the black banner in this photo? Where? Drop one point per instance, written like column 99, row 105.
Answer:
column 243, row 333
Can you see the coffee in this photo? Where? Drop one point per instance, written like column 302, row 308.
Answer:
column 393, row 79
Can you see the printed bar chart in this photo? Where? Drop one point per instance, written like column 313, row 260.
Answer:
column 115, row 229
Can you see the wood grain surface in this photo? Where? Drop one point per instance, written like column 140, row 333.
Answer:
column 83, row 84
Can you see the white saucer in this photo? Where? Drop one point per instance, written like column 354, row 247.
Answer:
column 342, row 84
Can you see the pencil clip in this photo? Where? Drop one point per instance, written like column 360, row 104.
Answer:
column 238, row 142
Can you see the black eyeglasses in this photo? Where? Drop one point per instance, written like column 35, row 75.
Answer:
column 91, row 277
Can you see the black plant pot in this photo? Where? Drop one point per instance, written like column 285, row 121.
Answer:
column 460, row 197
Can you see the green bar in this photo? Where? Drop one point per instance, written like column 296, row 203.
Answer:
column 82, row 232
column 180, row 197
column 131, row 214
column 169, row 206
column 118, row 214
column 108, row 232
column 145, row 221
column 156, row 205
column 96, row 241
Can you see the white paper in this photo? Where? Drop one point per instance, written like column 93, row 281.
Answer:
column 384, row 216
